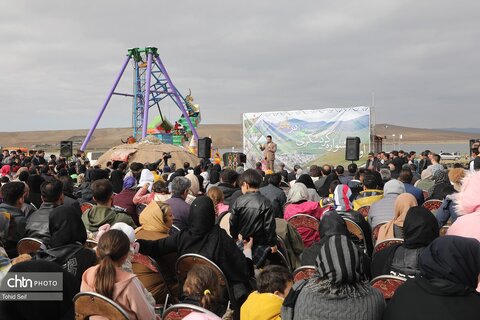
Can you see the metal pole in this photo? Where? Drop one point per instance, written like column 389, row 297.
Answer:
column 146, row 97
column 176, row 97
column 94, row 126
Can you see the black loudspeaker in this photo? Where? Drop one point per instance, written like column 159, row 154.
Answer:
column 66, row 149
column 204, row 148
column 352, row 149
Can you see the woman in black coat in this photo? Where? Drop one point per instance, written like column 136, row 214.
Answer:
column 449, row 268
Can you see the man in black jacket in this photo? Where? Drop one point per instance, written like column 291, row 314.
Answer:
column 253, row 216
column 275, row 194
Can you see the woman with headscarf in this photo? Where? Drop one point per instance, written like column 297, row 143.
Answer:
column 339, row 291
column 40, row 310
column 297, row 203
column 214, row 179
column 394, row 229
column 156, row 221
column 440, row 178
column 308, row 182
column 344, row 207
column 420, row 229
column 206, row 238
column 426, row 181
column 445, row 289
column 125, row 198
column 158, row 192
column 194, row 189
column 324, row 190
column 67, row 238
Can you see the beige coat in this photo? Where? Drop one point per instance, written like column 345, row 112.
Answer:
column 269, row 150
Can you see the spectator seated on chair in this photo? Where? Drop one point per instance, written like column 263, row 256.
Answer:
column 273, row 285
column 180, row 209
column 449, row 208
column 420, row 229
column 370, row 193
column 228, row 184
column 308, row 182
column 406, row 177
column 340, row 290
column 298, row 204
column 109, row 280
column 159, row 192
column 440, row 178
column 124, row 199
column 37, row 222
column 383, row 210
column 205, row 238
column 11, row 216
column 66, row 246
column 344, row 207
column 102, row 213
column 202, row 288
column 394, row 229
column 449, row 269
column 155, row 223
column 274, row 193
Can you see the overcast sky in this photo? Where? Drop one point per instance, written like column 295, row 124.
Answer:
column 421, row 58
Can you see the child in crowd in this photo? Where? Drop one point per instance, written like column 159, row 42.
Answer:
column 202, row 288
column 274, row 284
column 108, row 278
column 218, row 199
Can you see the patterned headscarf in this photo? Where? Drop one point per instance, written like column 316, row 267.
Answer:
column 339, row 261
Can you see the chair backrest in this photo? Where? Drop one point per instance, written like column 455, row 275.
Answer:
column 304, row 221
column 356, row 232
column 187, row 261
column 364, row 210
column 85, row 206
column 277, row 258
column 304, row 272
column 376, row 230
column 387, row 285
column 387, row 243
column 91, row 244
column 181, row 310
column 220, row 216
column 28, row 245
column 89, row 304
column 224, row 222
column 432, row 205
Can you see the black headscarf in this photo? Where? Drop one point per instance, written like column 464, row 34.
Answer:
column 420, row 228
column 66, row 226
column 34, row 182
column 324, row 190
column 332, row 224
column 452, row 258
column 116, row 178
column 306, row 180
column 25, row 310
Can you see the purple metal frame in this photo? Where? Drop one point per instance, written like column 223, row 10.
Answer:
column 95, row 123
column 146, row 97
column 177, row 98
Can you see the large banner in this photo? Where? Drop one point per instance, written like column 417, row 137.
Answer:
column 307, row 137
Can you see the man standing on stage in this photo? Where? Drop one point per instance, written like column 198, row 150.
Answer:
column 269, row 150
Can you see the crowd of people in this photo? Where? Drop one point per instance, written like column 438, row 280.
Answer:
column 120, row 231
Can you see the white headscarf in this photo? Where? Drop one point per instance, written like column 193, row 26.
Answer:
column 146, row 177
column 297, row 193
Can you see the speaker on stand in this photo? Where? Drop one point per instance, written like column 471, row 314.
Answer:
column 204, row 148
column 352, row 149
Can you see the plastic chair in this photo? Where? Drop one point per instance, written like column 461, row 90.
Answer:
column 376, row 230
column 387, row 284
column 28, row 245
column 432, row 205
column 364, row 210
column 92, row 244
column 224, row 222
column 187, row 261
column 304, row 272
column 387, row 243
column 181, row 310
column 277, row 258
column 85, row 206
column 356, row 232
column 89, row 304
column 301, row 220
